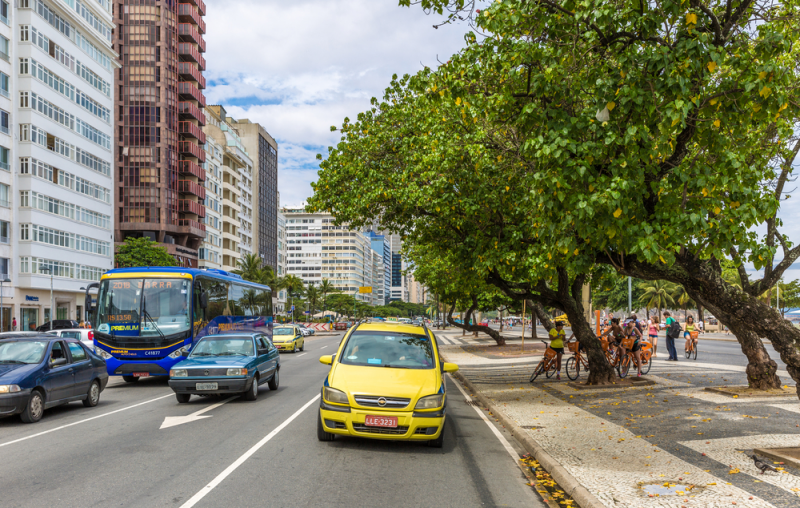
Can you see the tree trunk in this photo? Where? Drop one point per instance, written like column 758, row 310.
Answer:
column 600, row 371
column 499, row 339
column 700, row 315
column 542, row 315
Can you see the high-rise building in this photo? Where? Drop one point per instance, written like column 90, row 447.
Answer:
column 319, row 249
column 57, row 204
column 417, row 293
column 211, row 249
column 159, row 118
column 383, row 248
column 280, row 306
column 263, row 149
column 237, row 201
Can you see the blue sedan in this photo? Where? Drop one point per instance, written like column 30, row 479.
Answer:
column 227, row 363
column 39, row 371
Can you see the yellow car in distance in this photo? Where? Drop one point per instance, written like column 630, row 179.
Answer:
column 386, row 382
column 288, row 338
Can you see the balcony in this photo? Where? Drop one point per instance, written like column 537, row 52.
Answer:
column 193, row 131
column 191, row 53
column 191, row 168
column 189, row 72
column 186, row 206
column 188, row 91
column 189, row 33
column 193, row 188
column 191, row 110
column 188, row 223
column 188, row 13
column 193, row 149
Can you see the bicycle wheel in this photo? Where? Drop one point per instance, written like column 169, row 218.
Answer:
column 625, row 366
column 537, row 371
column 572, row 368
column 694, row 353
column 551, row 369
column 688, row 354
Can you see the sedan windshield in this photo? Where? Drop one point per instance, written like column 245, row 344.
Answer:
column 22, row 352
column 283, row 331
column 223, row 346
column 387, row 349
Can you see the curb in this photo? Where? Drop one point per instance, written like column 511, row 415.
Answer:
column 564, row 478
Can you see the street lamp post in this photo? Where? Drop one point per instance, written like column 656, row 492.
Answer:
column 49, row 270
column 1, row 301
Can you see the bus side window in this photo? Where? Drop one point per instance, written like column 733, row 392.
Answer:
column 197, row 309
column 217, row 298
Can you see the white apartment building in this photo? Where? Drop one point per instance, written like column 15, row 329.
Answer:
column 318, row 249
column 280, row 305
column 56, row 156
column 210, row 253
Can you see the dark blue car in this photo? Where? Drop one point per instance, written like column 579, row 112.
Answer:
column 39, row 371
column 233, row 362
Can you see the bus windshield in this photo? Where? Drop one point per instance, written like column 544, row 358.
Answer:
column 152, row 308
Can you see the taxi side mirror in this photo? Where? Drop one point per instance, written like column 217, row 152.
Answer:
column 326, row 360
column 450, row 367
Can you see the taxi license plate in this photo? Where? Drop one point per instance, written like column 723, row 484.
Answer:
column 141, row 374
column 206, row 386
column 381, row 421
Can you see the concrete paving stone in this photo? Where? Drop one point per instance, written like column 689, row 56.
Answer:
column 794, row 407
column 736, row 452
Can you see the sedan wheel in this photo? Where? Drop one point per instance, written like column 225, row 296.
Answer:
column 252, row 393
column 93, row 396
column 273, row 383
column 35, row 408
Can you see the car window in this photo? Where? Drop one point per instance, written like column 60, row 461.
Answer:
column 58, row 351
column 224, row 346
column 77, row 352
column 263, row 342
column 71, row 335
column 388, row 349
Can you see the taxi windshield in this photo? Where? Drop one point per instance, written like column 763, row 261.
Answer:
column 223, row 346
column 388, row 349
column 283, row 331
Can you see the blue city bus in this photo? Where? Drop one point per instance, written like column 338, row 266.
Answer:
column 146, row 318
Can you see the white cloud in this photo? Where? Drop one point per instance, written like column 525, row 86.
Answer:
column 298, row 67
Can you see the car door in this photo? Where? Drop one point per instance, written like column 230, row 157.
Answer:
column 58, row 379
column 265, row 363
column 82, row 368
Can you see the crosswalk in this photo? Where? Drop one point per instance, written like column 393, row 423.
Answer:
column 451, row 341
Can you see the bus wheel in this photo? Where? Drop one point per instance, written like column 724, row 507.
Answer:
column 130, row 379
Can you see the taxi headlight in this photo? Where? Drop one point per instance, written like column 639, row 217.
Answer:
column 9, row 388
column 334, row 395
column 430, row 402
column 178, row 373
column 236, row 372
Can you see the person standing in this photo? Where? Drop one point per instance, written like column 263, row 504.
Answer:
column 652, row 331
column 557, row 336
column 668, row 321
column 14, row 324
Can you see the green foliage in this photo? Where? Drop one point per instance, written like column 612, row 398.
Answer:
column 658, row 294
column 789, row 296
column 613, row 295
column 142, row 252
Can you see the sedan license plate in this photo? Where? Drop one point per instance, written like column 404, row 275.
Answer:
column 381, row 421
column 206, row 386
column 141, row 374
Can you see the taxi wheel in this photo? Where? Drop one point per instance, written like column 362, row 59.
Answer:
column 321, row 434
column 183, row 398
column 438, row 442
column 252, row 392
column 294, row 348
column 303, row 347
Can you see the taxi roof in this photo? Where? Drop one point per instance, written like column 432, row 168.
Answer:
column 392, row 327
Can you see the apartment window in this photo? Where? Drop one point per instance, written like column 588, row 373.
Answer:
column 5, row 196
column 4, row 267
column 4, row 156
column 4, row 12
column 4, row 122
column 4, row 90
column 5, row 227
column 4, row 52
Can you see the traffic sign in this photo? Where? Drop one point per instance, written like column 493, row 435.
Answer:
column 365, row 289
column 306, row 312
column 292, row 307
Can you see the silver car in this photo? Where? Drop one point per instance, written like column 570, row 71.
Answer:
column 85, row 335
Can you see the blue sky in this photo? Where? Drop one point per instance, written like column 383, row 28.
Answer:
column 298, row 67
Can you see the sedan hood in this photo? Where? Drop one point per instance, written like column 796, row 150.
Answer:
column 214, row 362
column 384, row 381
column 11, row 373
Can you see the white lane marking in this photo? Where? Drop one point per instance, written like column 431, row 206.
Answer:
column 172, row 421
column 84, row 421
column 500, row 436
column 323, row 347
column 301, row 354
column 230, row 469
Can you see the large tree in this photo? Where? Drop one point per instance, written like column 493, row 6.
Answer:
column 142, row 252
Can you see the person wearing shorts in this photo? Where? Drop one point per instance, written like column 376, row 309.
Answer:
column 632, row 331
column 652, row 331
column 557, row 336
column 687, row 333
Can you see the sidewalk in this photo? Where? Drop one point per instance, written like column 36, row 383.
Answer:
column 671, row 444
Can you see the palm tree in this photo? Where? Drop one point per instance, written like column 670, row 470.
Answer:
column 657, row 295
column 312, row 296
column 325, row 289
column 249, row 267
column 683, row 299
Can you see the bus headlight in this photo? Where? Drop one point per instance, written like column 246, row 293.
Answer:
column 179, row 352
column 236, row 372
column 178, row 373
column 105, row 355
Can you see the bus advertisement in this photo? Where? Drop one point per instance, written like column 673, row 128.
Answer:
column 147, row 318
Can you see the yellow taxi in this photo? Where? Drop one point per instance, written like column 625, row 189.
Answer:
column 386, row 382
column 288, row 338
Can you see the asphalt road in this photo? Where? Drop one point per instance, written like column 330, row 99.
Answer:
column 241, row 453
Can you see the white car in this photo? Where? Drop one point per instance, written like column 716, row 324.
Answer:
column 305, row 331
column 85, row 335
